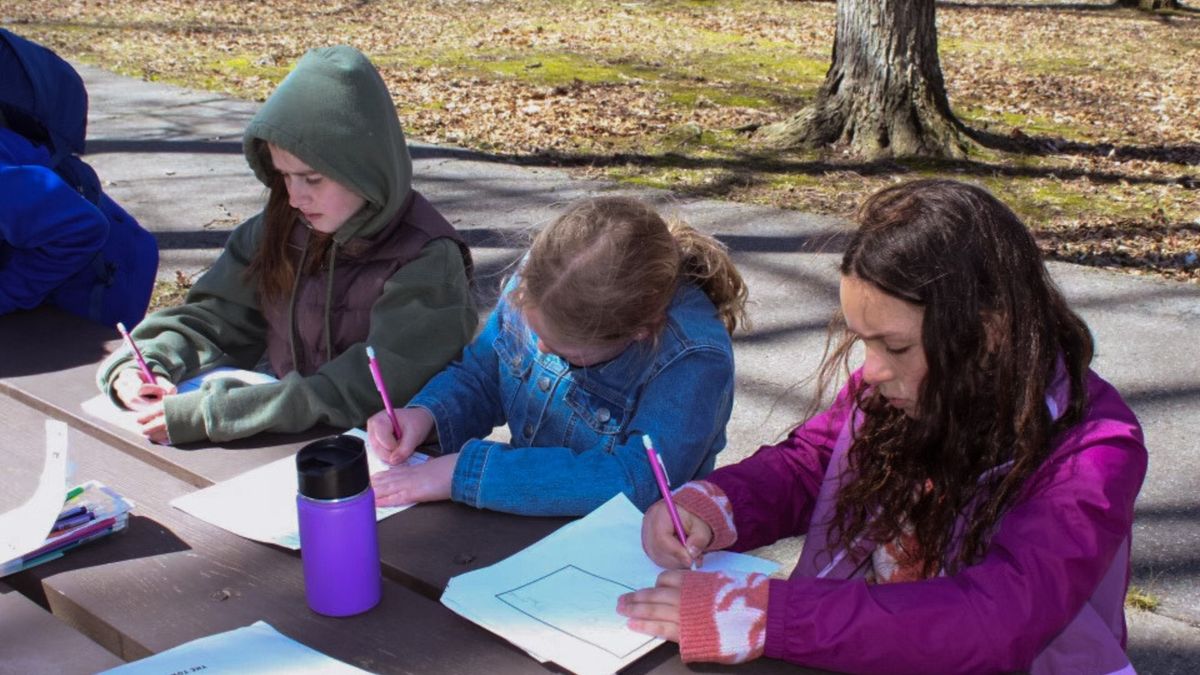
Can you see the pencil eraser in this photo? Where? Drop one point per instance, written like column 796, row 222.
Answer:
column 646, row 442
column 370, row 352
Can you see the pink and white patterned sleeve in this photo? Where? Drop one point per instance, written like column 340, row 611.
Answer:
column 722, row 617
column 708, row 503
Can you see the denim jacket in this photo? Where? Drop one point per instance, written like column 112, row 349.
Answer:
column 576, row 431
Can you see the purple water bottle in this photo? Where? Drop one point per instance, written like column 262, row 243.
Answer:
column 338, row 543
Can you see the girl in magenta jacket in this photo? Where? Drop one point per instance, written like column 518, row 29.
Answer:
column 967, row 498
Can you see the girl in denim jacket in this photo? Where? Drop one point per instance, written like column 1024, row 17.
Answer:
column 967, row 500
column 617, row 324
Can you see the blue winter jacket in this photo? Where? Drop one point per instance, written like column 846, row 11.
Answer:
column 576, row 432
column 62, row 240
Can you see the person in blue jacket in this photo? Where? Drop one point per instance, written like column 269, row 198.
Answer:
column 63, row 242
column 616, row 325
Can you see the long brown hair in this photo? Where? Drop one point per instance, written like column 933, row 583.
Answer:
column 607, row 268
column 273, row 268
column 995, row 330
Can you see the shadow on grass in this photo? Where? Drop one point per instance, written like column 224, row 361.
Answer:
column 1022, row 144
column 744, row 166
column 1066, row 7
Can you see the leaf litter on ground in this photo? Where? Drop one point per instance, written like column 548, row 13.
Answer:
column 1097, row 106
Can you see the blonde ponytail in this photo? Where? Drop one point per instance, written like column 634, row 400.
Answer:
column 705, row 262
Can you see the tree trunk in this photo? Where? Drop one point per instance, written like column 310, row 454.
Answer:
column 1149, row 5
column 883, row 95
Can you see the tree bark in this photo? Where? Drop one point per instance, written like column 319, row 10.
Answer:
column 883, row 95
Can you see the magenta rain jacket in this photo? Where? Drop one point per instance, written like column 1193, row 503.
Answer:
column 1047, row 597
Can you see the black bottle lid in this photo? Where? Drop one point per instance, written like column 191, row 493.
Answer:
column 333, row 468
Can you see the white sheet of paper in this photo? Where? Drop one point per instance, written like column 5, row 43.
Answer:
column 101, row 406
column 260, row 504
column 557, row 599
column 24, row 528
column 257, row 648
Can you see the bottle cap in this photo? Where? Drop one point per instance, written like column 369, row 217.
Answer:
column 333, row 468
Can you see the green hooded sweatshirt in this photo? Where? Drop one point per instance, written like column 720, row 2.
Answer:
column 334, row 112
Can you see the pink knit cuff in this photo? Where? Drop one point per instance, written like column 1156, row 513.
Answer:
column 709, row 503
column 722, row 618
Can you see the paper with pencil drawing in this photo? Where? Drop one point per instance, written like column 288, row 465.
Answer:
column 557, row 599
column 261, row 503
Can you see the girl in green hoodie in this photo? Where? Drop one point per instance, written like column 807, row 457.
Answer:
column 344, row 254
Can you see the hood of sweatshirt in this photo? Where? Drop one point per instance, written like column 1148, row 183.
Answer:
column 334, row 112
column 42, row 95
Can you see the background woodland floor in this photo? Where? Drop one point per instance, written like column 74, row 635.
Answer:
column 1087, row 116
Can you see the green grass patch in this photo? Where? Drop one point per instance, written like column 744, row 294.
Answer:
column 560, row 68
column 962, row 46
column 691, row 97
column 1138, row 598
column 772, row 64
column 170, row 293
column 1032, row 125
column 246, row 66
column 1060, row 64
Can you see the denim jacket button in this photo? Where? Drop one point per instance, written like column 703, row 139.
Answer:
column 528, row 431
column 544, row 383
column 603, row 415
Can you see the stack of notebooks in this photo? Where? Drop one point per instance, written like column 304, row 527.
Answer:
column 91, row 511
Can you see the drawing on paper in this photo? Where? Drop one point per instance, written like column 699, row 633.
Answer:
column 580, row 604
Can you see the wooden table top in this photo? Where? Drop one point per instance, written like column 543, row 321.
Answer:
column 171, row 578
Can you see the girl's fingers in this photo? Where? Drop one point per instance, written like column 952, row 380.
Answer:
column 147, row 415
column 391, row 483
column 653, row 611
column 671, row 580
column 381, row 437
column 666, row 630
column 659, row 540
column 648, row 598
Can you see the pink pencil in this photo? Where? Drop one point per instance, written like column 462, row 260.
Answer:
column 147, row 374
column 378, row 377
column 660, row 475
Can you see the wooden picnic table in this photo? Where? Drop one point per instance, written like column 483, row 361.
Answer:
column 30, row 636
column 170, row 578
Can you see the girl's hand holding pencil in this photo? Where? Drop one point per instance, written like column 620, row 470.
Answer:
column 138, row 388
column 145, row 398
column 415, row 425
column 135, row 393
column 662, row 544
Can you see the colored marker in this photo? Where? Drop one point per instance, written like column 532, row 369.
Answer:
column 75, row 492
column 73, row 521
column 73, row 511
column 147, row 374
column 660, row 475
column 377, row 375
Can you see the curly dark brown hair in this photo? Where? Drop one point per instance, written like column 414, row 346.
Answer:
column 994, row 332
